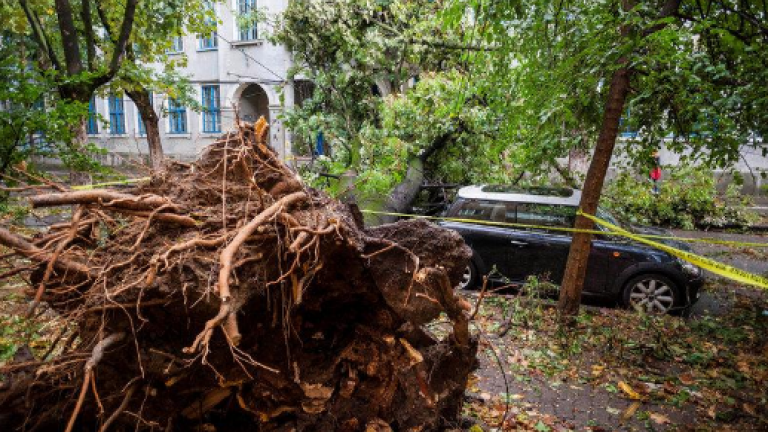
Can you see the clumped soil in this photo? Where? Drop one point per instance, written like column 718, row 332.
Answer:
column 226, row 295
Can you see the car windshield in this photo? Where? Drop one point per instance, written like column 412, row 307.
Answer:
column 604, row 214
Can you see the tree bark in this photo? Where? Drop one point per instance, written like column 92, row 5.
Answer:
column 576, row 267
column 400, row 198
column 581, row 244
column 141, row 98
column 69, row 40
column 80, row 139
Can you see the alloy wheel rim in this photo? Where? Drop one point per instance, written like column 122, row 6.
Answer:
column 465, row 278
column 652, row 296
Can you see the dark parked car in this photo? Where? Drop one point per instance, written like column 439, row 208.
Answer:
column 618, row 268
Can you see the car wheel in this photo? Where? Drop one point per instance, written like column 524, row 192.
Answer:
column 651, row 293
column 468, row 278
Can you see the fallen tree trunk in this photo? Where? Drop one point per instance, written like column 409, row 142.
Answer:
column 275, row 310
column 106, row 198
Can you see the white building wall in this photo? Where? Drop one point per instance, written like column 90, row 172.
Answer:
column 233, row 66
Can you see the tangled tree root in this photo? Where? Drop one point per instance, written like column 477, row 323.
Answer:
column 225, row 294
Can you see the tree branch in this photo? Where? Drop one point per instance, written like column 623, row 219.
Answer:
column 90, row 40
column 39, row 34
column 69, row 39
column 669, row 9
column 105, row 21
column 751, row 19
column 34, row 253
column 125, row 35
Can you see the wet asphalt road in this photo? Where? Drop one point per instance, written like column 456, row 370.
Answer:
column 749, row 258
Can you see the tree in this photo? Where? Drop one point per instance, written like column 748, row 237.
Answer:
column 126, row 55
column 423, row 135
column 87, row 64
column 364, row 59
column 31, row 122
column 148, row 66
column 684, row 68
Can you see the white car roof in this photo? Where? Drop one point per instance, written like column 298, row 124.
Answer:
column 555, row 196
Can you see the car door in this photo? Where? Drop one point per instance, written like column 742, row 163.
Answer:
column 545, row 251
column 599, row 268
column 549, row 248
column 492, row 243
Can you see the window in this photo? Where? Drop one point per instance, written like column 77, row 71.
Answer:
column 494, row 211
column 627, row 128
column 93, row 123
column 211, row 109
column 545, row 214
column 142, row 128
column 247, row 28
column 177, row 116
column 209, row 41
column 116, row 115
column 177, row 45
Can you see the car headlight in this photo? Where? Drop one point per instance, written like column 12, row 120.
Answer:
column 688, row 268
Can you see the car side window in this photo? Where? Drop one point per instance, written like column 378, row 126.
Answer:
column 547, row 215
column 482, row 210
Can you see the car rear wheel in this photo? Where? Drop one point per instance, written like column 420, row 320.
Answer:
column 468, row 278
column 651, row 293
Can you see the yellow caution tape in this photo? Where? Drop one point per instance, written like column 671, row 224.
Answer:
column 716, row 267
column 572, row 230
column 484, row 222
column 112, row 183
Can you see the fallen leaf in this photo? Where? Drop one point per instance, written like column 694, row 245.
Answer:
column 686, row 379
column 712, row 412
column 626, row 388
column 659, row 418
column 629, row 412
column 506, row 397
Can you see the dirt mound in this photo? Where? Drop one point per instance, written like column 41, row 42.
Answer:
column 226, row 294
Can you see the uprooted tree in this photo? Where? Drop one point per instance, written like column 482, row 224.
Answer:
column 227, row 293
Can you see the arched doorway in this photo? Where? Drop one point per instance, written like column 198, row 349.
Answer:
column 253, row 103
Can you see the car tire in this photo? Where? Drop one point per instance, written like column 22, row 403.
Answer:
column 651, row 292
column 468, row 278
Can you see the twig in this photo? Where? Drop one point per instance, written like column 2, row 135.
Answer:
column 480, row 299
column 50, row 183
column 123, row 405
column 225, row 259
column 148, row 303
column 96, row 355
column 143, row 233
column 173, row 218
column 52, row 262
column 31, row 251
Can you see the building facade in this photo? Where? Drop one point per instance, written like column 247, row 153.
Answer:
column 233, row 68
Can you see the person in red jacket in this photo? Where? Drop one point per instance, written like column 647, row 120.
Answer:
column 656, row 172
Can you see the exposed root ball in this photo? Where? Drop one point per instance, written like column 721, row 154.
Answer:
column 227, row 295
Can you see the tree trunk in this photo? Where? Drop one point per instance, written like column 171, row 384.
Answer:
column 80, row 139
column 576, row 267
column 141, row 98
column 400, row 198
column 578, row 257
